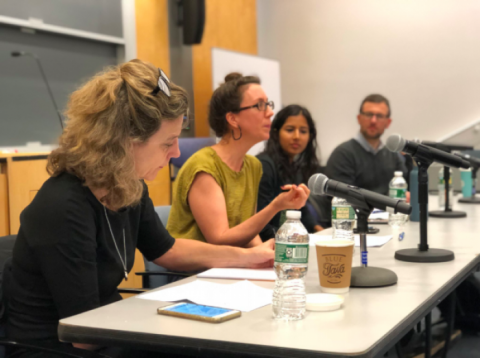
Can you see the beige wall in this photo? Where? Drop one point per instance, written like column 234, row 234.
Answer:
column 423, row 55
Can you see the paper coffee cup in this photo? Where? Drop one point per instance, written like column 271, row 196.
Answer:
column 334, row 260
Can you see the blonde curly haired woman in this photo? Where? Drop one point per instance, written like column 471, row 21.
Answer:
column 78, row 237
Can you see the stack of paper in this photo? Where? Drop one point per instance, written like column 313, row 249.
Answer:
column 243, row 296
column 240, row 274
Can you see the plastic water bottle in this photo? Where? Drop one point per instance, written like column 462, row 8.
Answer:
column 343, row 219
column 398, row 190
column 291, row 265
column 441, row 190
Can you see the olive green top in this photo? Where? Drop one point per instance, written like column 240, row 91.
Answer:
column 239, row 188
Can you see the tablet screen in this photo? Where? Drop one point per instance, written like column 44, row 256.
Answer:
column 198, row 310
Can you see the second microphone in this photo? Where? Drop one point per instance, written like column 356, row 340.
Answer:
column 319, row 184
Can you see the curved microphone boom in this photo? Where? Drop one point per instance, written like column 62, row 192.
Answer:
column 23, row 53
column 319, row 184
column 395, row 143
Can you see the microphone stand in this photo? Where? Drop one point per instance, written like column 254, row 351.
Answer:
column 49, row 89
column 366, row 276
column 473, row 199
column 423, row 253
column 42, row 72
column 447, row 212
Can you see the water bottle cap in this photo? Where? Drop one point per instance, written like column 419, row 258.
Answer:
column 399, row 174
column 294, row 214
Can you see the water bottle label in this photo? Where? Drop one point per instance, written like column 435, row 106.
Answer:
column 287, row 253
column 441, row 181
column 398, row 193
column 364, row 257
column 343, row 212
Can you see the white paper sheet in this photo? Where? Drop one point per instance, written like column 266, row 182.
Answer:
column 378, row 215
column 240, row 274
column 372, row 240
column 243, row 296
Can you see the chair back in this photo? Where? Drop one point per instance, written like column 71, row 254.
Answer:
column 163, row 212
column 6, row 252
column 157, row 281
column 188, row 146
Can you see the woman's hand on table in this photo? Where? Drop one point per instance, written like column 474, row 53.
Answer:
column 261, row 256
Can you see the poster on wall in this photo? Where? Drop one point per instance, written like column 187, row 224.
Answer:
column 226, row 61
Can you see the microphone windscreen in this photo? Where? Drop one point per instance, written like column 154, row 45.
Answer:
column 317, row 183
column 465, row 164
column 395, row 143
column 472, row 160
column 404, row 208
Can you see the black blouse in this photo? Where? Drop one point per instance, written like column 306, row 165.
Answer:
column 65, row 261
column 269, row 190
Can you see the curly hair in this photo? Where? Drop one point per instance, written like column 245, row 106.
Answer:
column 227, row 98
column 106, row 116
column 307, row 163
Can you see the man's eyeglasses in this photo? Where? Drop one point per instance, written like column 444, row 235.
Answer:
column 370, row 115
column 261, row 106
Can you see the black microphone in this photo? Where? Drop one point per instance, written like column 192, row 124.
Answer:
column 23, row 53
column 319, row 184
column 396, row 143
column 474, row 162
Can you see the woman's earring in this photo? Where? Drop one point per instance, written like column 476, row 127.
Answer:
column 233, row 134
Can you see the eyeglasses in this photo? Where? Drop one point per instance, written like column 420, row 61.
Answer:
column 261, row 106
column 186, row 122
column 370, row 115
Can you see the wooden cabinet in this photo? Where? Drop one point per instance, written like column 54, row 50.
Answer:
column 21, row 176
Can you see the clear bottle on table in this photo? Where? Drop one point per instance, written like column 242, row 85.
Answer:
column 398, row 190
column 343, row 219
column 291, row 265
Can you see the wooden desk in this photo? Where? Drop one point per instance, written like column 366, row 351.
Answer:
column 369, row 324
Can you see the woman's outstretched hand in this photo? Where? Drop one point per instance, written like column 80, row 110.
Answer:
column 294, row 197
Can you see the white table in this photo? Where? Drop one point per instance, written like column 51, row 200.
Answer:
column 370, row 323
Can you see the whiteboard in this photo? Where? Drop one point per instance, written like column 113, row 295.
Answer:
column 225, row 62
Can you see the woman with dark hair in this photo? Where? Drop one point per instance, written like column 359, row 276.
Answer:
column 289, row 157
column 215, row 193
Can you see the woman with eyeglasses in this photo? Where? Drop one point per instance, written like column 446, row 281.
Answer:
column 289, row 157
column 215, row 193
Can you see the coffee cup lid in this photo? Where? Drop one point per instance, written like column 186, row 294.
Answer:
column 323, row 302
column 334, row 242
